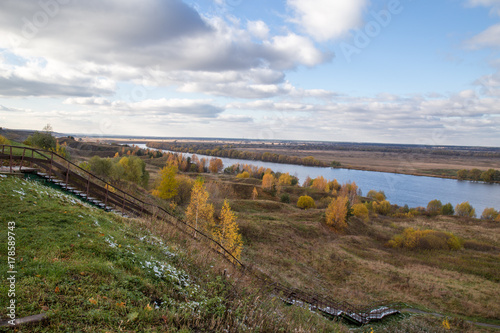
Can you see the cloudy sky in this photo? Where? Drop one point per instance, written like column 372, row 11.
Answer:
column 396, row 71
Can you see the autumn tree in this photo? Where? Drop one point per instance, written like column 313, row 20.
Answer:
column 227, row 232
column 267, row 181
column 255, row 194
column 167, row 189
column 475, row 174
column 215, row 165
column 361, row 211
column 465, row 209
column 285, row 179
column 489, row 214
column 306, row 202
column 336, row 213
column 199, row 212
column 382, row 207
column 434, row 207
column 374, row 195
column 462, row 174
column 351, row 191
column 243, row 175
column 320, row 183
column 334, row 186
column 307, row 182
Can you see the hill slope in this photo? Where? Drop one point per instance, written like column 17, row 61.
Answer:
column 93, row 271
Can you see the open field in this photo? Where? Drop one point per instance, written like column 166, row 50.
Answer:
column 412, row 163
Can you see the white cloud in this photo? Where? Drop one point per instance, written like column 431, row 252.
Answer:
column 327, row 19
column 160, row 42
column 488, row 38
column 258, row 29
column 495, row 4
column 185, row 107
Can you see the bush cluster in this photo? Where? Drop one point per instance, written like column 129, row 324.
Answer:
column 425, row 240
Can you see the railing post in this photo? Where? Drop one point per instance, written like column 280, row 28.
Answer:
column 123, row 203
column 22, row 159
column 88, row 186
column 67, row 174
column 106, row 198
column 10, row 164
column 51, row 159
column 32, row 157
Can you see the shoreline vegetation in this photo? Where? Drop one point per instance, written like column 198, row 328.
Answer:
column 409, row 162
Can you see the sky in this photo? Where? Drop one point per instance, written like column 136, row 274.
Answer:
column 395, row 71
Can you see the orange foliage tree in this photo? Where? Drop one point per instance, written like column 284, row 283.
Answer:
column 215, row 165
column 336, row 213
column 267, row 181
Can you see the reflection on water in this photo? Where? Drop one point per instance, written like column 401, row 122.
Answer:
column 399, row 189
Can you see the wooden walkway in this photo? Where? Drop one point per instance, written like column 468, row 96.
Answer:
column 70, row 177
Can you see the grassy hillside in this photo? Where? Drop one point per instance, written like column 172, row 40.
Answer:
column 295, row 247
column 93, row 271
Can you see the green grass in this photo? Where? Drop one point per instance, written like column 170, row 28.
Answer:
column 92, row 271
column 18, row 150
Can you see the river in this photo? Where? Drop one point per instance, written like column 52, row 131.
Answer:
column 400, row 189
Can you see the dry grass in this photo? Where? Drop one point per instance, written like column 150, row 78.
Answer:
column 296, row 248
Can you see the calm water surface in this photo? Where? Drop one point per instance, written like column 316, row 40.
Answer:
column 399, row 189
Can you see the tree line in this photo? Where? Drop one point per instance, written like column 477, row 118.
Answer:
column 489, row 176
column 219, row 151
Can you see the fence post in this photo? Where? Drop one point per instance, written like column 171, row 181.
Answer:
column 22, row 159
column 10, row 164
column 106, row 198
column 32, row 157
column 67, row 174
column 51, row 159
column 88, row 186
column 123, row 203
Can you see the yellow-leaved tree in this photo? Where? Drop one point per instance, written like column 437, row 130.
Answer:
column 336, row 213
column 168, row 185
column 267, row 181
column 227, row 233
column 255, row 194
column 200, row 214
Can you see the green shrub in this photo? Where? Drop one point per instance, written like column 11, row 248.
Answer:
column 448, row 209
column 285, row 198
column 4, row 140
column 306, row 202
